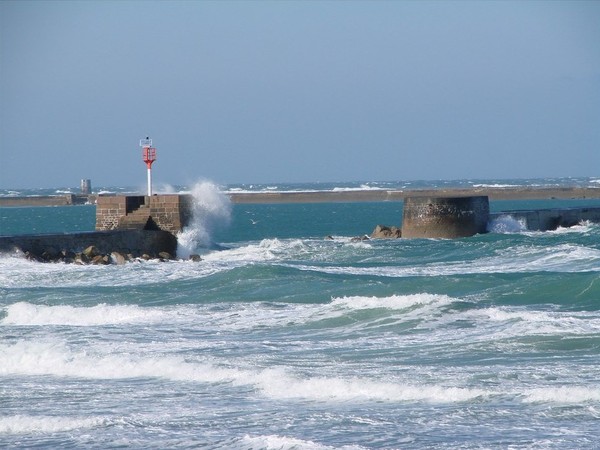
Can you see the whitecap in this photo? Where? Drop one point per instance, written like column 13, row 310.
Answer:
column 276, row 383
column 24, row 313
column 56, row 359
column 275, row 442
column 392, row 302
column 563, row 395
column 22, row 424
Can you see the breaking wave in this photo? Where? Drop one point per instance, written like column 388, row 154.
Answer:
column 211, row 208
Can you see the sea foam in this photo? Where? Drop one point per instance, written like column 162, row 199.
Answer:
column 211, row 208
column 24, row 313
column 57, row 359
column 274, row 442
column 21, row 424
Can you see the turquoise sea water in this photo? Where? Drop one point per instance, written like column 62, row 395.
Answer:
column 282, row 338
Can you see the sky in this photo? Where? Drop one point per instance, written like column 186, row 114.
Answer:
column 297, row 91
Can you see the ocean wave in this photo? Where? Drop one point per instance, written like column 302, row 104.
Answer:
column 277, row 383
column 497, row 185
column 519, row 322
column 563, row 395
column 566, row 258
column 275, row 442
column 235, row 316
column 362, row 187
column 210, row 209
column 398, row 302
column 56, row 359
column 23, row 313
column 506, row 223
column 25, row 424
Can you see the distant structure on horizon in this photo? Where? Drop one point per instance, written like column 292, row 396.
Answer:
column 86, row 186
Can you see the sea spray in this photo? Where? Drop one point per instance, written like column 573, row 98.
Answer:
column 211, row 208
column 507, row 224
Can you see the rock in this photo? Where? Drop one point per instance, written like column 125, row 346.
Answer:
column 165, row 255
column 360, row 238
column 33, row 257
column 195, row 258
column 91, row 252
column 101, row 260
column 118, row 258
column 51, row 254
column 384, row 232
column 68, row 254
column 80, row 258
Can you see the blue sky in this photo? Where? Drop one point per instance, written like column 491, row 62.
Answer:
column 260, row 92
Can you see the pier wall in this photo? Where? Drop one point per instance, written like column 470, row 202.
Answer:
column 444, row 217
column 158, row 212
column 551, row 219
column 134, row 242
column 48, row 200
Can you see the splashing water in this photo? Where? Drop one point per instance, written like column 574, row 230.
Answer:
column 211, row 208
column 507, row 224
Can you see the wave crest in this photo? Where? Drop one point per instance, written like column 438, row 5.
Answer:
column 211, row 208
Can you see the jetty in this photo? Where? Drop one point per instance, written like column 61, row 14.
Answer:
column 367, row 195
column 127, row 227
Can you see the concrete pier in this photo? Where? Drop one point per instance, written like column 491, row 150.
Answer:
column 134, row 242
column 137, row 225
column 171, row 212
column 444, row 217
column 550, row 219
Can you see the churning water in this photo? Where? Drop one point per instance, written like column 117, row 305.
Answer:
column 282, row 339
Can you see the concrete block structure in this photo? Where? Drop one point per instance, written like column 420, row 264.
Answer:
column 444, row 217
column 171, row 212
column 550, row 219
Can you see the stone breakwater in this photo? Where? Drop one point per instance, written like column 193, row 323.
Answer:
column 372, row 195
column 99, row 247
column 376, row 195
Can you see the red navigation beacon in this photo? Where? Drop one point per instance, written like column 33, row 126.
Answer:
column 148, row 156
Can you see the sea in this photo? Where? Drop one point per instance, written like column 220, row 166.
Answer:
column 291, row 333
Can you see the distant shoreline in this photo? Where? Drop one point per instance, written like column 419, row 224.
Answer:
column 350, row 196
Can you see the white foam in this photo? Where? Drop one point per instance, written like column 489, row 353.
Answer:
column 265, row 250
column 23, row 313
column 563, row 395
column 21, row 424
column 495, row 185
column 567, row 258
column 20, row 273
column 274, row 442
column 507, row 224
column 362, row 187
column 211, row 208
column 276, row 383
column 392, row 302
column 582, row 227
column 56, row 359
column 518, row 322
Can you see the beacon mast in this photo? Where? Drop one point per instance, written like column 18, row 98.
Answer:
column 148, row 156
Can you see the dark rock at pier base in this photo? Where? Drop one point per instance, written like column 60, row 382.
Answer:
column 384, row 232
column 100, row 247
